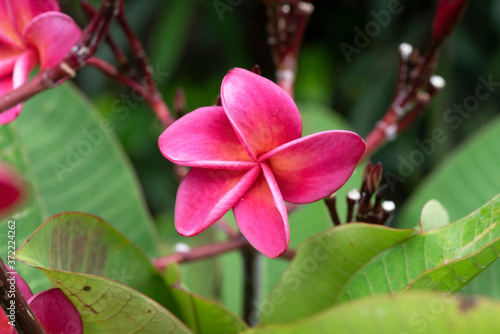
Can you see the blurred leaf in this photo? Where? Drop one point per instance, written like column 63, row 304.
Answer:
column 465, row 179
column 170, row 34
column 411, row 313
column 32, row 211
column 433, row 216
column 73, row 163
column 82, row 243
column 324, row 267
column 109, row 307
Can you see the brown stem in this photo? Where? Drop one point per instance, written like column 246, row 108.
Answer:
column 113, row 72
column 405, row 94
column 13, row 303
column 155, row 100
column 121, row 57
column 332, row 209
column 252, row 274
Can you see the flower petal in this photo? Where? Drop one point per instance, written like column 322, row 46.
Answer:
column 262, row 218
column 23, row 11
column 205, row 195
column 314, row 167
column 263, row 115
column 22, row 67
column 53, row 34
column 8, row 115
column 56, row 313
column 204, row 138
column 8, row 29
column 11, row 190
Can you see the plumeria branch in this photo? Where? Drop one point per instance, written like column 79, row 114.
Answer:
column 208, row 251
column 411, row 97
column 416, row 86
column 121, row 57
column 200, row 253
column 25, row 320
column 287, row 22
column 85, row 48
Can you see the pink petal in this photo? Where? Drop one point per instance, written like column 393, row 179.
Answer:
column 263, row 115
column 205, row 195
column 24, row 63
column 262, row 218
column 22, row 67
column 314, row 167
column 22, row 12
column 9, row 34
column 56, row 313
column 8, row 115
column 53, row 34
column 4, row 323
column 20, row 283
column 204, row 138
column 7, row 64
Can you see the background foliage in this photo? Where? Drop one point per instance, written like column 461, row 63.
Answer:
column 192, row 45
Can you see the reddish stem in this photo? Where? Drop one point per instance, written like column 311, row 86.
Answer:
column 200, row 253
column 286, row 26
column 119, row 54
column 85, row 48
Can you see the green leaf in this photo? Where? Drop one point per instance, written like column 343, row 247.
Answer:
column 412, row 313
column 72, row 162
column 323, row 268
column 364, row 260
column 202, row 315
column 444, row 259
column 109, row 307
column 465, row 180
column 433, row 216
column 82, row 243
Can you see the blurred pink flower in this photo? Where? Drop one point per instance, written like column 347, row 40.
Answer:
column 249, row 154
column 52, row 308
column 32, row 32
column 11, row 189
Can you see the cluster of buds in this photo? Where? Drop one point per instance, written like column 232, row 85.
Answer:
column 416, row 83
column 287, row 21
column 366, row 204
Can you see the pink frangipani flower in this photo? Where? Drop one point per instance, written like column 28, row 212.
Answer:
column 249, row 155
column 32, row 32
